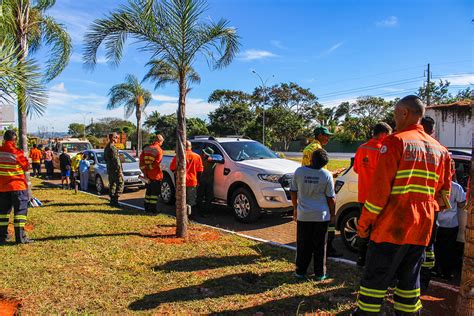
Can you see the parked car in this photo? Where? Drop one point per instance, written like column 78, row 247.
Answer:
column 73, row 145
column 348, row 208
column 249, row 177
column 98, row 170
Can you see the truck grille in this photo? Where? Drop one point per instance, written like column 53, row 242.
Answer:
column 131, row 173
column 285, row 182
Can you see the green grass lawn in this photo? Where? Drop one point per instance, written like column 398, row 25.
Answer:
column 92, row 258
column 333, row 164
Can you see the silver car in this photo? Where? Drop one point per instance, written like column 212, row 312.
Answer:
column 98, row 171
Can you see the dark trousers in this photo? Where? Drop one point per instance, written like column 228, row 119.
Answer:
column 311, row 240
column 386, row 262
column 430, row 260
column 49, row 168
column 36, row 168
column 445, row 250
column 18, row 200
column 153, row 191
column 205, row 195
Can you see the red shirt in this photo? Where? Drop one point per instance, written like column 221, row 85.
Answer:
column 13, row 165
column 364, row 165
column 36, row 155
column 193, row 166
column 150, row 162
column 413, row 169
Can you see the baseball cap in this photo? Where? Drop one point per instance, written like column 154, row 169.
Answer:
column 322, row 131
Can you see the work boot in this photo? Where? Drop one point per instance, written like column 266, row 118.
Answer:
column 20, row 236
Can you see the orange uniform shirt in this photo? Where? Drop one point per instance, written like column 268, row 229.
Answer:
column 412, row 168
column 193, row 167
column 364, row 165
column 150, row 162
column 13, row 165
column 36, row 155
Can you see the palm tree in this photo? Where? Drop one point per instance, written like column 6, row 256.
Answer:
column 134, row 97
column 175, row 32
column 25, row 22
column 466, row 298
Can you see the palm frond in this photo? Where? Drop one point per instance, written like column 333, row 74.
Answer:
column 43, row 5
column 59, row 41
column 126, row 94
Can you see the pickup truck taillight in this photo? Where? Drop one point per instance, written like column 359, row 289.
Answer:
column 338, row 186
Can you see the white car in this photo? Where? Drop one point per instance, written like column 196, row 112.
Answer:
column 249, row 177
column 348, row 208
column 73, row 145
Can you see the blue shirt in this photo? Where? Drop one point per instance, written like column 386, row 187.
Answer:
column 84, row 166
column 313, row 187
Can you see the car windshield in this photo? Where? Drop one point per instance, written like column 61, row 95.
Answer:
column 76, row 147
column 124, row 157
column 246, row 150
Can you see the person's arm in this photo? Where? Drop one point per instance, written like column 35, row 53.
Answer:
column 461, row 199
column 332, row 209
column 23, row 161
column 357, row 161
column 173, row 164
column 294, row 201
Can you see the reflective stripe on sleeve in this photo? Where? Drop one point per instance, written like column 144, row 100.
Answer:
column 413, row 188
column 372, row 208
column 425, row 174
column 13, row 173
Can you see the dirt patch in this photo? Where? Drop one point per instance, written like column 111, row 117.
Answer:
column 439, row 301
column 8, row 307
column 167, row 235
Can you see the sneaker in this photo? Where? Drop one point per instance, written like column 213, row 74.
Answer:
column 321, row 277
column 300, row 276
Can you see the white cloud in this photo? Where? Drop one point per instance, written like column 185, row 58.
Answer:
column 254, row 54
column 58, row 87
column 391, row 21
column 278, row 44
column 460, row 79
column 331, row 50
column 194, row 107
column 75, row 22
column 164, row 98
column 77, row 58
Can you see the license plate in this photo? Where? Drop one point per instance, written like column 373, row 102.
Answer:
column 132, row 180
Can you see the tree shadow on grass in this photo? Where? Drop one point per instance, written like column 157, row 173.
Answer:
column 114, row 211
column 315, row 304
column 242, row 283
column 204, row 263
column 73, row 204
column 50, row 238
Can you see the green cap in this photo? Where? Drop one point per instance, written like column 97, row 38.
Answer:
column 322, row 131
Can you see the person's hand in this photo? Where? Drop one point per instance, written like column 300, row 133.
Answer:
column 337, row 172
column 295, row 215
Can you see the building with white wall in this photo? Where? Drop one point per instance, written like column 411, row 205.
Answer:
column 453, row 123
column 7, row 116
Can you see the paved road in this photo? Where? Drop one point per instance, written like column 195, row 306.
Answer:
column 275, row 227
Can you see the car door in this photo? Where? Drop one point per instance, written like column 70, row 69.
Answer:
column 220, row 179
column 92, row 171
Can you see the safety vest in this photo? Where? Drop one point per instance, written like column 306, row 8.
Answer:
column 150, row 162
column 308, row 152
column 13, row 165
column 412, row 169
column 75, row 161
column 193, row 167
column 364, row 165
column 36, row 155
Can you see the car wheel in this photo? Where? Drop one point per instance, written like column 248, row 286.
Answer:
column 167, row 190
column 349, row 230
column 99, row 185
column 244, row 204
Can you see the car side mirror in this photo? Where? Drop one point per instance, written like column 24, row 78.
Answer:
column 216, row 158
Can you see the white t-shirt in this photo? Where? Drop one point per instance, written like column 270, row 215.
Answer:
column 313, row 186
column 449, row 217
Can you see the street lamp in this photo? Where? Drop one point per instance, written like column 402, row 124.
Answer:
column 264, row 83
column 84, row 121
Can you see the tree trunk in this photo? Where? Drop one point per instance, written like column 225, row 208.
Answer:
column 181, row 208
column 465, row 304
column 138, row 113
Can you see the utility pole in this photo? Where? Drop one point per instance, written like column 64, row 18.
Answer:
column 264, row 83
column 428, row 89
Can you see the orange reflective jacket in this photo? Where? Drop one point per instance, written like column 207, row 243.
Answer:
column 193, row 167
column 364, row 165
column 412, row 168
column 150, row 162
column 36, row 155
column 13, row 165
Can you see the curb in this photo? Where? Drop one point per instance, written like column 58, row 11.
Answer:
column 269, row 242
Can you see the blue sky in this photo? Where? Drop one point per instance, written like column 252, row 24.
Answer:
column 338, row 49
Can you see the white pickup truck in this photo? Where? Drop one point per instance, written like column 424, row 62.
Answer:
column 248, row 177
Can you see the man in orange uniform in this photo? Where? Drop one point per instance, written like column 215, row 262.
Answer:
column 36, row 155
column 150, row 164
column 194, row 169
column 13, row 189
column 364, row 165
column 400, row 210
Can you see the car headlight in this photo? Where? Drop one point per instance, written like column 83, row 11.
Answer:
column 275, row 178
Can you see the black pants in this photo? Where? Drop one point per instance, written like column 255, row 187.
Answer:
column 384, row 263
column 311, row 240
column 18, row 200
column 36, row 168
column 430, row 260
column 205, row 195
column 49, row 168
column 445, row 250
column 153, row 191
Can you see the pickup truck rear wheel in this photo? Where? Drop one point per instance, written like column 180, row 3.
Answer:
column 349, row 230
column 244, row 204
column 167, row 190
column 99, row 185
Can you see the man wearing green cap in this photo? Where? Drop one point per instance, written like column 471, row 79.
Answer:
column 321, row 138
column 205, row 193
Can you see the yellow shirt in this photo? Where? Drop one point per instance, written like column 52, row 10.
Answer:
column 308, row 152
column 75, row 162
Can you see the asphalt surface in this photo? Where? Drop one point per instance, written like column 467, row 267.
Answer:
column 275, row 227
